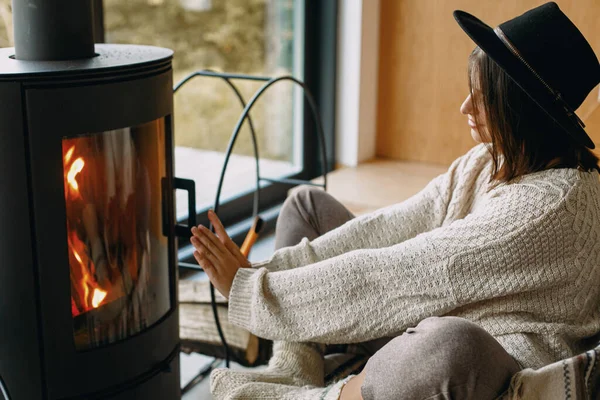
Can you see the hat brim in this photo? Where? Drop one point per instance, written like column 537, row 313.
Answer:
column 485, row 37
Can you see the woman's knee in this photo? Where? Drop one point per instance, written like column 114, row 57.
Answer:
column 297, row 217
column 440, row 358
column 465, row 344
column 300, row 200
column 315, row 208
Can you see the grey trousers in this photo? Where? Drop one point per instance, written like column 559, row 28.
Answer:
column 440, row 358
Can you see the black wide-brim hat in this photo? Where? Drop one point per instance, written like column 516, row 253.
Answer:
column 547, row 56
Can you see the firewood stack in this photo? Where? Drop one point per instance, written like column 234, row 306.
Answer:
column 199, row 333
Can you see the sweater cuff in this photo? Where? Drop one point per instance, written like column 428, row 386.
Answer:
column 261, row 264
column 240, row 296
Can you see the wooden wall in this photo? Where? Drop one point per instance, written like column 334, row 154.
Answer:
column 423, row 73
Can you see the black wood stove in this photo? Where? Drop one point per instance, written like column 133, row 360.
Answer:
column 88, row 268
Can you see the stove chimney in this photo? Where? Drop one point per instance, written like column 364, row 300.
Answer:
column 53, row 30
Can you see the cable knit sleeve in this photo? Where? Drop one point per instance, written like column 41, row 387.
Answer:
column 370, row 293
column 357, row 296
column 388, row 226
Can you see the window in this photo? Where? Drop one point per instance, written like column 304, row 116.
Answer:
column 6, row 27
column 257, row 37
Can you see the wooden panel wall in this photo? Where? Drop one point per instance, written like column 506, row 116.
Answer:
column 423, row 72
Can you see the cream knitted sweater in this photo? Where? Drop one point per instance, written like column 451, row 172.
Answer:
column 522, row 260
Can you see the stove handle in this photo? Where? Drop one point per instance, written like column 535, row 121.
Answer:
column 183, row 231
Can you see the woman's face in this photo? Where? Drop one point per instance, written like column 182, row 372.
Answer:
column 477, row 131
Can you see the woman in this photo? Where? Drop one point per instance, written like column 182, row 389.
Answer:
column 504, row 247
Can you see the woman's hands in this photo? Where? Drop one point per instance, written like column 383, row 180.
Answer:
column 218, row 256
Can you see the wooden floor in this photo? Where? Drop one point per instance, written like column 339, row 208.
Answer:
column 380, row 183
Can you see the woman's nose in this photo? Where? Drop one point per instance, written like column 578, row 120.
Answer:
column 467, row 106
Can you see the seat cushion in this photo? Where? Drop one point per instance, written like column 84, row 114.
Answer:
column 576, row 378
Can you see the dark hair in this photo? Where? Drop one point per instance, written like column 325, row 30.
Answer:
column 522, row 134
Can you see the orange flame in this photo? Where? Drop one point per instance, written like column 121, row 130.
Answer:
column 99, row 296
column 87, row 282
column 75, row 169
column 69, row 154
column 89, row 293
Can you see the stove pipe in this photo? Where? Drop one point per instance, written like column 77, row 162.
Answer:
column 53, row 30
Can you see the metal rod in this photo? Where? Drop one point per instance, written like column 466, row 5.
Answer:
column 202, row 374
column 311, row 102
column 246, row 114
column 227, row 78
column 209, row 73
column 194, row 267
column 3, row 390
column 292, row 181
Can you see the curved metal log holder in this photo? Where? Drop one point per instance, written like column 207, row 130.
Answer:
column 247, row 107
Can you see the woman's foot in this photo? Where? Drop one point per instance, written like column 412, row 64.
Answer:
column 303, row 362
column 292, row 365
column 226, row 386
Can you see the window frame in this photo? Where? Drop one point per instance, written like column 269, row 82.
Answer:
column 319, row 67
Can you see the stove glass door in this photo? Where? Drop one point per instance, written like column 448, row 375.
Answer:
column 118, row 255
